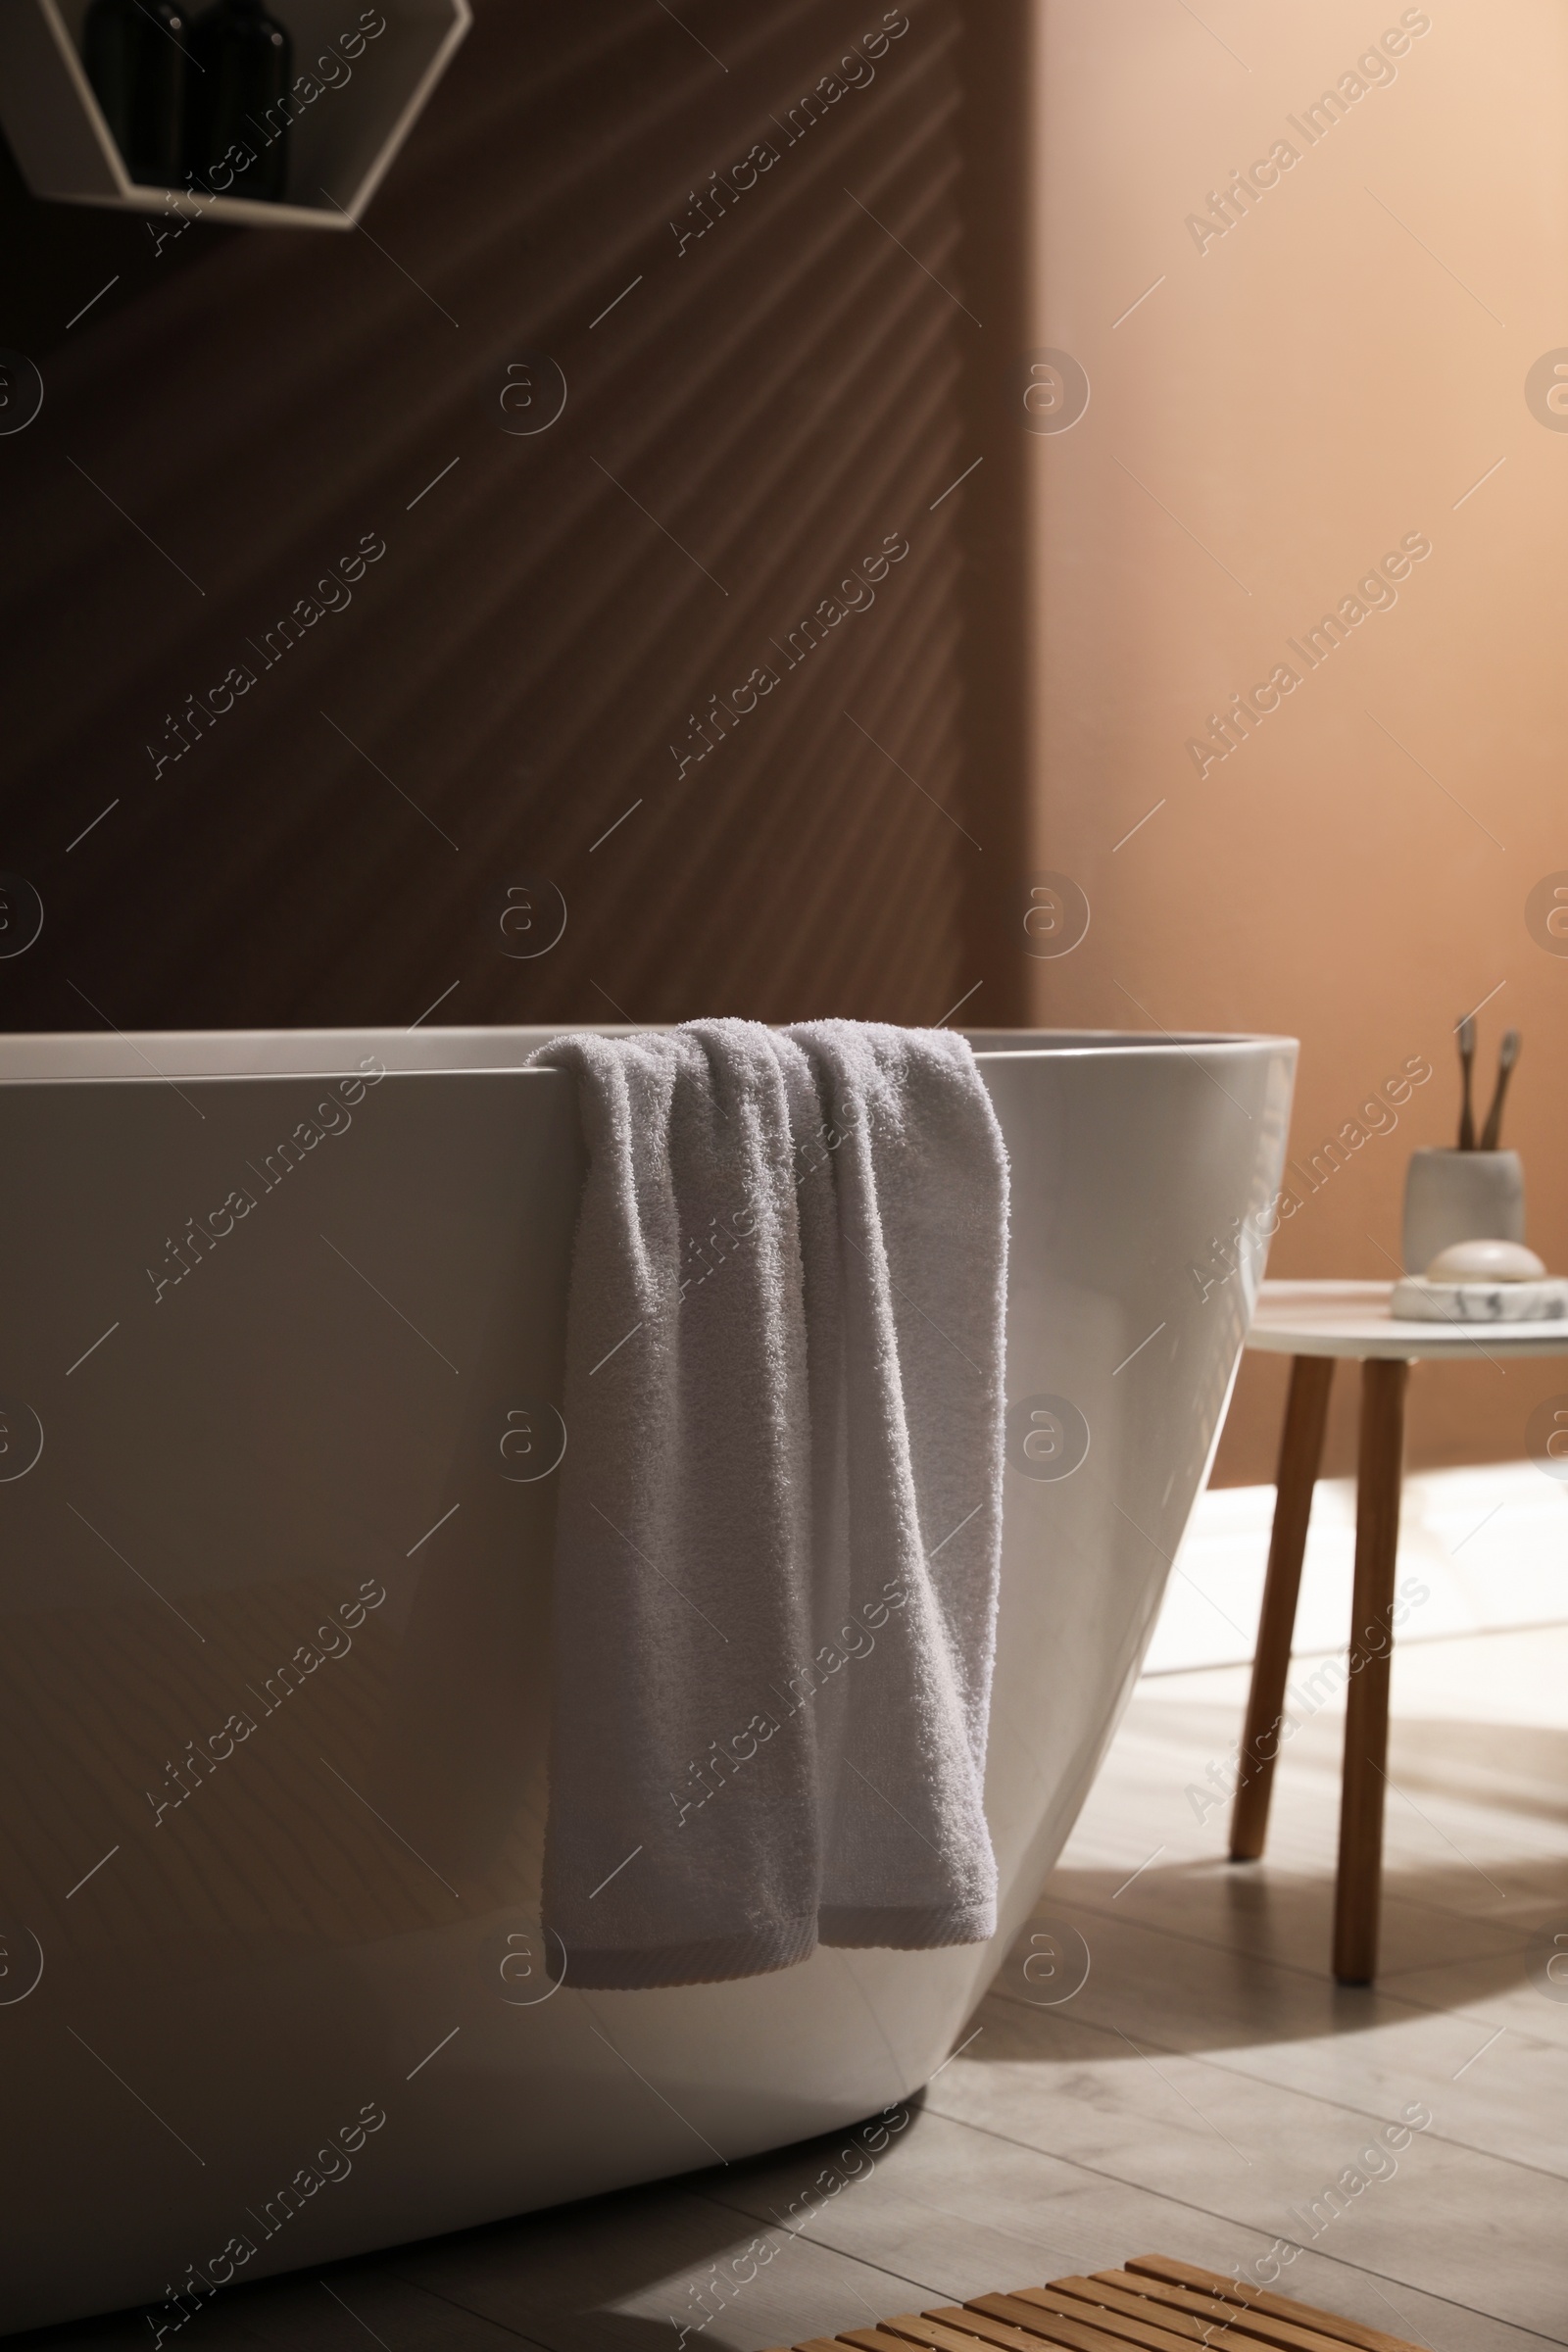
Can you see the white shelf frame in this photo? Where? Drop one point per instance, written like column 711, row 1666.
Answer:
column 66, row 152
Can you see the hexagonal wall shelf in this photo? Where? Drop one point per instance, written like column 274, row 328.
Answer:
column 341, row 141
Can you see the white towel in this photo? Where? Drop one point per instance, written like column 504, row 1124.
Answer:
column 779, row 1530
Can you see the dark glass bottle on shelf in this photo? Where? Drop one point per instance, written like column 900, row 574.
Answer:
column 243, row 62
column 134, row 52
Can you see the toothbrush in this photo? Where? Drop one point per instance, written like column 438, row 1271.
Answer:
column 1467, row 1052
column 1508, row 1055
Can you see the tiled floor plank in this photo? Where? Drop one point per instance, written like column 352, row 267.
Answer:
column 1373, row 2053
column 1073, row 2186
column 624, row 2270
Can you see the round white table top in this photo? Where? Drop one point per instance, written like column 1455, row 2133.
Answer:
column 1352, row 1319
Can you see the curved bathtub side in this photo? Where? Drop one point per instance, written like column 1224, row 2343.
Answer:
column 1141, row 1191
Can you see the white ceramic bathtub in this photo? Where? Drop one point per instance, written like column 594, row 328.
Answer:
column 205, row 2003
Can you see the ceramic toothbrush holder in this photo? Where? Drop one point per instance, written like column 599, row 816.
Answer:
column 1453, row 1196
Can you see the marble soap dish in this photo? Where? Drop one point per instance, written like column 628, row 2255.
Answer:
column 1482, row 1282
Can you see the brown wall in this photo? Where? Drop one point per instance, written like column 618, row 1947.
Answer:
column 1335, row 371
column 779, row 398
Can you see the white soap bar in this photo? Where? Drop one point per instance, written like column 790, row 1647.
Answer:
column 1486, row 1261
column 1417, row 1300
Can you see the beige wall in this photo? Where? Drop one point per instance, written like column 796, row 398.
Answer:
column 1334, row 372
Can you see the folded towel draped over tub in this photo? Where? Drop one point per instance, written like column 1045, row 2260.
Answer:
column 779, row 1530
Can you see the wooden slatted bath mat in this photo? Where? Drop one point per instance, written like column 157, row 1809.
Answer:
column 1153, row 2303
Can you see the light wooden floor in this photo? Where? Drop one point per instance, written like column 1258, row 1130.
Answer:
column 1207, row 2080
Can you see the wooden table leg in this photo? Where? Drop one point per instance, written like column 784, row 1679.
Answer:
column 1300, row 1454
column 1378, row 1475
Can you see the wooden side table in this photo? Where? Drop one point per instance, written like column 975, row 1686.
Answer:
column 1314, row 1323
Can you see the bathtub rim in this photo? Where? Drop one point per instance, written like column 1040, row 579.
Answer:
column 156, row 1056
